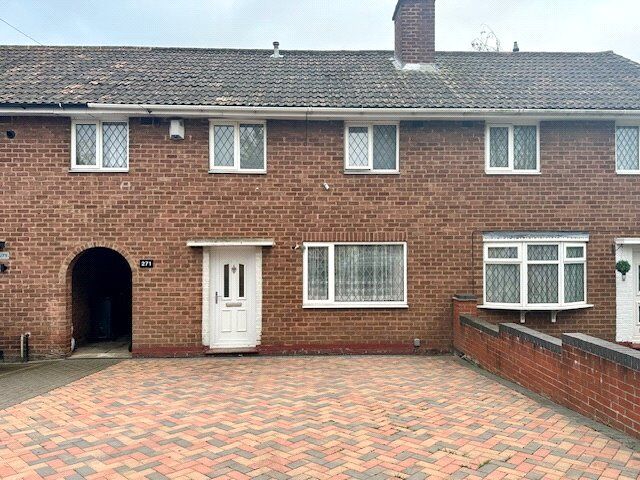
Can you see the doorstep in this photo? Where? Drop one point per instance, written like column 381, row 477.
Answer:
column 231, row 350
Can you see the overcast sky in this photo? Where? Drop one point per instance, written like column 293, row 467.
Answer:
column 560, row 25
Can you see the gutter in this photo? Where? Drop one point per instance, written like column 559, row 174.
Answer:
column 323, row 113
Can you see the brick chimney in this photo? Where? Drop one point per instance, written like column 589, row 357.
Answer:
column 415, row 22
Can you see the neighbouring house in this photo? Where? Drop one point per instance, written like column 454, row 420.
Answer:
column 218, row 200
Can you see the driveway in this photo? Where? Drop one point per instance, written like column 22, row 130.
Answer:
column 302, row 417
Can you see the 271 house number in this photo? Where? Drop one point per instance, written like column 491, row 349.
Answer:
column 146, row 263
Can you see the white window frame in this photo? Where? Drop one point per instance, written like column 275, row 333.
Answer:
column 524, row 262
column 509, row 170
column 618, row 170
column 368, row 169
column 330, row 302
column 98, row 167
column 236, row 147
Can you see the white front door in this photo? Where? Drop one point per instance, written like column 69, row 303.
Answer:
column 635, row 278
column 233, row 298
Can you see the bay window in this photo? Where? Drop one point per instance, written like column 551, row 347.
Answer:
column 353, row 275
column 535, row 273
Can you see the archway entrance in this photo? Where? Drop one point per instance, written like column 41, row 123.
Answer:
column 101, row 287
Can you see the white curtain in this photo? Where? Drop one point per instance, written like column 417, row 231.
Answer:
column 369, row 273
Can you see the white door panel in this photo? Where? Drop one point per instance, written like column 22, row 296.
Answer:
column 233, row 294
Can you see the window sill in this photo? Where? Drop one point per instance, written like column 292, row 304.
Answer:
column 512, row 172
column 378, row 305
column 627, row 172
column 371, row 172
column 552, row 309
column 99, row 170
column 535, row 308
column 238, row 172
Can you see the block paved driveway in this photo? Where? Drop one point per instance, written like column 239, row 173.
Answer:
column 304, row 417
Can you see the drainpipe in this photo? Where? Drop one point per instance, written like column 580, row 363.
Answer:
column 24, row 346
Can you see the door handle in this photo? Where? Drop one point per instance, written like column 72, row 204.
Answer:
column 217, row 297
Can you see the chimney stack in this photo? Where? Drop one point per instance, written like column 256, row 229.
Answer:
column 415, row 22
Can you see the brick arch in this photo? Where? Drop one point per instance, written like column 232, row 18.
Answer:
column 70, row 259
column 65, row 292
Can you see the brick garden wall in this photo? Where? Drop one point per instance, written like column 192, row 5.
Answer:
column 596, row 378
column 439, row 203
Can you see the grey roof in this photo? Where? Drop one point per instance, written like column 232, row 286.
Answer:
column 356, row 79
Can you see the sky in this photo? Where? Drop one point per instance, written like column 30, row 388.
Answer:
column 537, row 25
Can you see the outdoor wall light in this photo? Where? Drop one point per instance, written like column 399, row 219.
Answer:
column 11, row 134
column 3, row 268
column 3, row 244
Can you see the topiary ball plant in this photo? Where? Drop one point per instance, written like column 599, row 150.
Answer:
column 623, row 267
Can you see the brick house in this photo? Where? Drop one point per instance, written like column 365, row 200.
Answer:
column 203, row 200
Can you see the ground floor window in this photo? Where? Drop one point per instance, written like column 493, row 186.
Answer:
column 355, row 275
column 535, row 274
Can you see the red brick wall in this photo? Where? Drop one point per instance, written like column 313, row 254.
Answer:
column 439, row 204
column 589, row 384
column 415, row 33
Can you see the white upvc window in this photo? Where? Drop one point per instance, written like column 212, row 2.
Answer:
column 355, row 275
column 627, row 149
column 238, row 147
column 100, row 146
column 512, row 149
column 371, row 148
column 535, row 275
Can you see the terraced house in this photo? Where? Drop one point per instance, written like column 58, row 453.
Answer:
column 200, row 200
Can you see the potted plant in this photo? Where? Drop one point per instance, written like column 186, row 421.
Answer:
column 623, row 267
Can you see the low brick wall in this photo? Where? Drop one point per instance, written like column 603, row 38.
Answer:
column 598, row 379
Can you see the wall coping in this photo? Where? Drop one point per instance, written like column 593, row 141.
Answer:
column 478, row 324
column 537, row 338
column 625, row 356
column 465, row 297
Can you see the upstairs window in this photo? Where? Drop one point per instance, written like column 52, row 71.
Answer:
column 628, row 150
column 512, row 149
column 371, row 148
column 535, row 275
column 238, row 147
column 347, row 275
column 100, row 146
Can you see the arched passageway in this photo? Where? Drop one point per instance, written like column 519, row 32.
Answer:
column 101, row 302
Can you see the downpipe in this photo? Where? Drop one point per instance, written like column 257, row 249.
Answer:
column 24, row 346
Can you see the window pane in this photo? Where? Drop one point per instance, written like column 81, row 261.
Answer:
column 358, row 147
column 114, row 145
column 503, row 283
column 499, row 147
column 575, row 252
column 543, row 283
column 543, row 252
column 384, row 147
column 627, row 148
column 86, row 145
column 574, row 283
column 226, row 281
column 525, row 148
column 241, row 281
column 223, row 145
column 318, row 273
column 252, row 147
column 503, row 252
column 369, row 273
